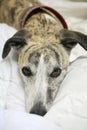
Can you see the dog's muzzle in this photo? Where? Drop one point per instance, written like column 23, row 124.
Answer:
column 38, row 109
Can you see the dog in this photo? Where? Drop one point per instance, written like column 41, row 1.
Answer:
column 43, row 47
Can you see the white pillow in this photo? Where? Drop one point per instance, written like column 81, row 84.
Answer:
column 70, row 107
column 19, row 120
column 11, row 87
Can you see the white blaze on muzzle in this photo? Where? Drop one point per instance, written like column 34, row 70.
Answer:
column 36, row 92
column 41, row 81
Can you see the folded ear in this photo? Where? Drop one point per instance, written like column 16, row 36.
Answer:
column 17, row 41
column 70, row 38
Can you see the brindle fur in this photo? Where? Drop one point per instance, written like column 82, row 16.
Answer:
column 42, row 43
column 11, row 9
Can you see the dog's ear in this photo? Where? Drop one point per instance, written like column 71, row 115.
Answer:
column 70, row 38
column 17, row 41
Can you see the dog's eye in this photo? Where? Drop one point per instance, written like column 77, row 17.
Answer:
column 26, row 71
column 56, row 72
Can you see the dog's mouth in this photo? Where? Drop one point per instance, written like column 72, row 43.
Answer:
column 38, row 109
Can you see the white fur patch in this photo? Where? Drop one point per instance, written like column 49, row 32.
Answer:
column 36, row 91
column 41, row 83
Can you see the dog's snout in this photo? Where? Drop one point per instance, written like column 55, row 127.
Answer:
column 38, row 109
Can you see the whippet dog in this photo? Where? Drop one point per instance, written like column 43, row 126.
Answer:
column 43, row 45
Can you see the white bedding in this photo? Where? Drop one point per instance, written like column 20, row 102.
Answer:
column 69, row 111
column 70, row 107
column 19, row 120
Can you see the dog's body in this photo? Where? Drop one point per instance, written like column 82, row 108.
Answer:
column 11, row 9
column 43, row 53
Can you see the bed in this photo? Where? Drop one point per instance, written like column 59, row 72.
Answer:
column 69, row 110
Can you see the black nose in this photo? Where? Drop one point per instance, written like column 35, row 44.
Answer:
column 38, row 109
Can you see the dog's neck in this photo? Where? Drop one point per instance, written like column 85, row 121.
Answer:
column 10, row 12
column 34, row 19
column 37, row 24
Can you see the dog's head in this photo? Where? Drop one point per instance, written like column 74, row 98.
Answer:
column 43, row 64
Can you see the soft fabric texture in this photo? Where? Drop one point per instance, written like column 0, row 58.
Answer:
column 70, row 107
column 11, row 87
column 19, row 120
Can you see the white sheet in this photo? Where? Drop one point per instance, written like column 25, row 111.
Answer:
column 11, row 87
column 70, row 107
column 19, row 120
